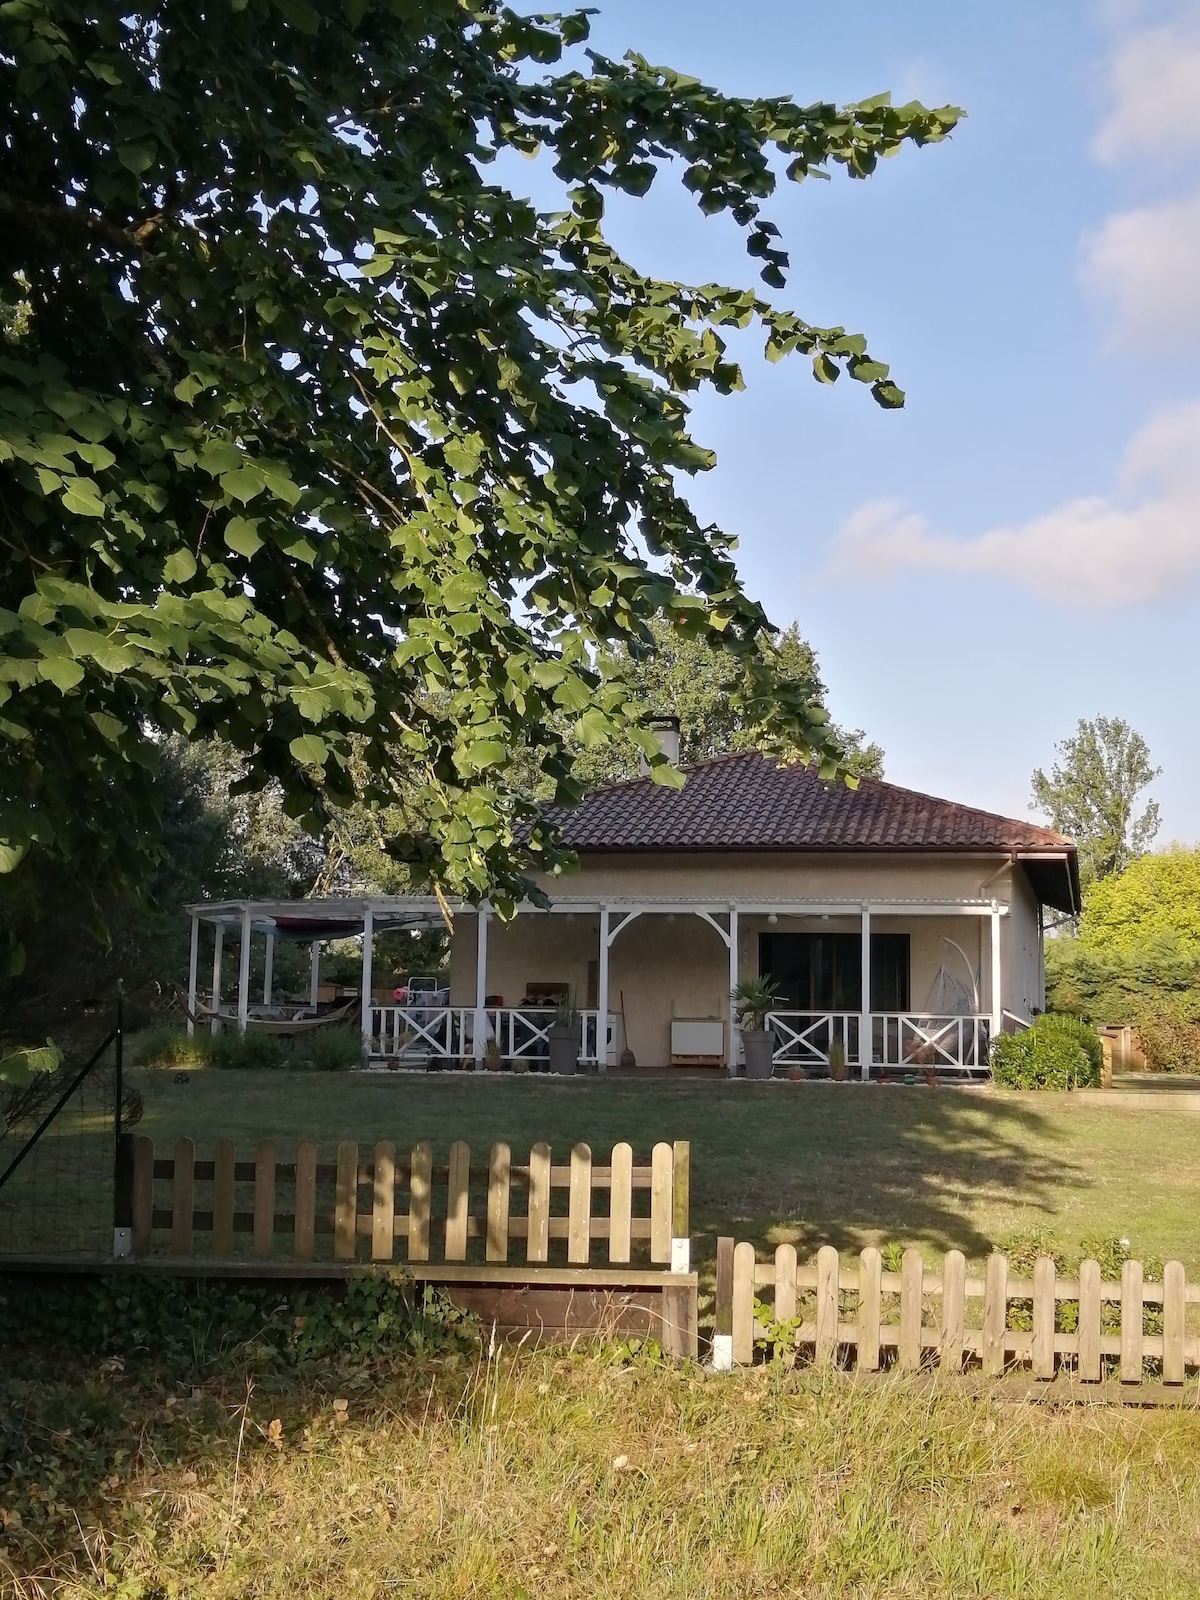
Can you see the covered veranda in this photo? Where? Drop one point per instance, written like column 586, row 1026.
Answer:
column 466, row 1022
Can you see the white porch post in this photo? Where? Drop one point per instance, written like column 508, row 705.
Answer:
column 269, row 969
column 997, row 973
column 731, row 1047
column 864, row 1022
column 314, row 982
column 368, row 961
column 1041, row 972
column 193, row 964
column 602, row 995
column 244, row 972
column 218, row 952
column 479, row 1025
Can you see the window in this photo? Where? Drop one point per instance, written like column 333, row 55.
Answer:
column 823, row 971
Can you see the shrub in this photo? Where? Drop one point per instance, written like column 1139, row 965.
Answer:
column 250, row 1050
column 166, row 1045
column 1058, row 1052
column 329, row 1050
column 1170, row 1033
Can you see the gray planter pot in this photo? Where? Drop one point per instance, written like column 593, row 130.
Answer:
column 564, row 1049
column 758, row 1045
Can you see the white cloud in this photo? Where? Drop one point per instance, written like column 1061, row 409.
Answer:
column 1135, row 546
column 1148, row 262
column 1154, row 83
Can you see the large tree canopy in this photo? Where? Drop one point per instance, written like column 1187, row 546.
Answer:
column 313, row 437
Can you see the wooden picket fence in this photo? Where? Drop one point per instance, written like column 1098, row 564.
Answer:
column 386, row 1206
column 854, row 1313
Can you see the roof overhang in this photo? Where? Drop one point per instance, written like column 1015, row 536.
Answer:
column 1054, row 878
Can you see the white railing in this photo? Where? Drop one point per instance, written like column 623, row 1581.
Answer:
column 952, row 1045
column 956, row 1045
column 447, row 1033
column 804, row 1038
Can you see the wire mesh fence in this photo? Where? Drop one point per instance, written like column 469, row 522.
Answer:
column 56, row 1192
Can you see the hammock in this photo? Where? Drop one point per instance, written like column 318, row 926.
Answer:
column 288, row 1029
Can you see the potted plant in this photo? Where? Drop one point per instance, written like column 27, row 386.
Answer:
column 752, row 1001
column 563, row 1037
column 491, row 1055
column 837, row 1061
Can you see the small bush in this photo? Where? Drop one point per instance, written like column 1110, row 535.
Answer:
column 251, row 1050
column 164, row 1045
column 1058, row 1052
column 329, row 1050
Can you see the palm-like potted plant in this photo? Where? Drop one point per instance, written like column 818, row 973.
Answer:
column 563, row 1038
column 752, row 1001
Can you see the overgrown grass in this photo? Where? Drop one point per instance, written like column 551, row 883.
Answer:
column 582, row 1475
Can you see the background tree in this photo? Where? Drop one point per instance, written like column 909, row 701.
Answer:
column 1091, row 794
column 705, row 687
column 314, row 439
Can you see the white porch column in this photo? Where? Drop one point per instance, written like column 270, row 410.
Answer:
column 314, row 982
column 731, row 1045
column 479, row 1025
column 602, row 995
column 244, row 973
column 997, row 973
column 269, row 969
column 864, row 1021
column 218, row 952
column 368, row 961
column 193, row 964
column 1040, row 1001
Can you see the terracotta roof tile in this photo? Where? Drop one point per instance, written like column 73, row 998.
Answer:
column 747, row 802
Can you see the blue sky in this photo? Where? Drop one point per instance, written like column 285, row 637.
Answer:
column 1020, row 547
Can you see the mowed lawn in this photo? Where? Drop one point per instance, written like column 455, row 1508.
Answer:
column 812, row 1163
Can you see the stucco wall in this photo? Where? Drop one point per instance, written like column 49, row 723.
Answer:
column 675, row 964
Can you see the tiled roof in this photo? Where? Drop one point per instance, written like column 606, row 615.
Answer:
column 747, row 802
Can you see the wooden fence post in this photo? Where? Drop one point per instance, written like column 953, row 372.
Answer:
column 1045, row 1279
column 785, row 1283
column 827, row 1306
column 1131, row 1322
column 537, row 1244
column 224, row 1178
column 457, row 1201
column 1174, row 1321
column 498, row 1202
column 681, row 1187
column 743, row 1303
column 345, row 1211
column 420, row 1196
column 870, row 1272
column 143, row 1194
column 620, row 1205
column 1088, row 1340
column 305, row 1221
column 579, row 1206
column 383, row 1202
column 660, row 1204
column 954, row 1310
column 722, row 1353
column 995, row 1315
column 183, row 1197
column 264, row 1200
column 912, row 1290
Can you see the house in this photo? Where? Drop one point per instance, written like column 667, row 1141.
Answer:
column 904, row 929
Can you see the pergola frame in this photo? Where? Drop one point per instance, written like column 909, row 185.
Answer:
column 377, row 913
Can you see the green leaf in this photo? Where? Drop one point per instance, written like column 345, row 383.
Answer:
column 243, row 483
column 62, row 671
column 138, row 157
column 179, row 567
column 309, row 750
column 82, row 497
column 19, row 1067
column 11, row 856
column 242, row 535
